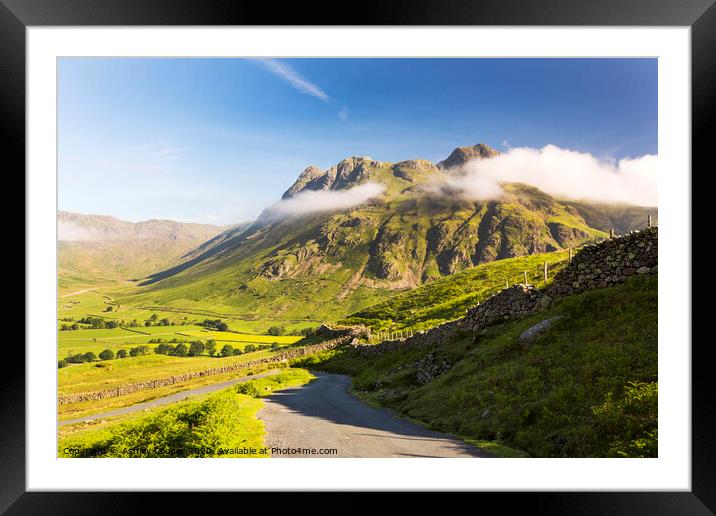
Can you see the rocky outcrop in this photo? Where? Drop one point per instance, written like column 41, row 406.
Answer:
column 429, row 367
column 462, row 155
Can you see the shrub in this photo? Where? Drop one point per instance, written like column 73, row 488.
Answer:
column 631, row 421
column 227, row 350
column 62, row 363
column 249, row 348
column 106, row 354
column 196, row 348
column 210, row 347
column 237, row 351
column 139, row 350
column 121, row 353
column 89, row 357
column 180, row 350
column 163, row 349
column 275, row 331
column 275, row 345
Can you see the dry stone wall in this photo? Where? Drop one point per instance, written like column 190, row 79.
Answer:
column 279, row 357
column 595, row 266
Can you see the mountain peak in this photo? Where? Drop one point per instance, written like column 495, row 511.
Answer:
column 311, row 174
column 462, row 155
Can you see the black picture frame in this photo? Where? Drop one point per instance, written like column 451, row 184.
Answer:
column 700, row 15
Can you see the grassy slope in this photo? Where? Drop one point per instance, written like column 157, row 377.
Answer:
column 222, row 424
column 566, row 395
column 447, row 298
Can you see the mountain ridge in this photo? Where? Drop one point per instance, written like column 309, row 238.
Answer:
column 329, row 263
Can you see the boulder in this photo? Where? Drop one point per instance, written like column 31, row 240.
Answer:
column 530, row 335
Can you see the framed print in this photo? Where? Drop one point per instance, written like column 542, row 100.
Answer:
column 417, row 252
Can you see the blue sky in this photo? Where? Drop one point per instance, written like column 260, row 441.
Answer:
column 217, row 140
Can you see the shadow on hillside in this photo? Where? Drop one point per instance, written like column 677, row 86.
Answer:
column 220, row 243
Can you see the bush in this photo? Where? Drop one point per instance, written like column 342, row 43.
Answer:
column 89, row 357
column 196, row 348
column 62, row 363
column 121, row 353
column 249, row 348
column 180, row 350
column 632, row 421
column 237, row 351
column 210, row 347
column 106, row 354
column 139, row 350
column 275, row 331
column 227, row 350
column 275, row 345
column 163, row 349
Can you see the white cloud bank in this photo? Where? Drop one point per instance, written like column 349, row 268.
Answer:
column 311, row 201
column 559, row 172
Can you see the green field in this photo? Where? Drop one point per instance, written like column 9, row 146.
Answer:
column 82, row 341
column 213, row 425
column 586, row 388
column 95, row 376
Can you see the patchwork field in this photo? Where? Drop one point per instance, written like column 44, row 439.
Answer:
column 82, row 341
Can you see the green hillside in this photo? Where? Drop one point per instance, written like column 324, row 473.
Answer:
column 447, row 298
column 586, row 388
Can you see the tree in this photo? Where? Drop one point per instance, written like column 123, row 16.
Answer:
column 89, row 357
column 237, row 351
column 109, row 308
column 106, row 354
column 222, row 326
column 139, row 350
column 211, row 347
column 180, row 350
column 163, row 349
column 61, row 363
column 75, row 326
column 227, row 350
column 196, row 348
column 275, row 345
column 121, row 353
column 165, row 322
column 248, row 348
column 275, row 331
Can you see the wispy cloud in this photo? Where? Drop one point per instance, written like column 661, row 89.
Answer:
column 561, row 172
column 343, row 114
column 311, row 201
column 291, row 76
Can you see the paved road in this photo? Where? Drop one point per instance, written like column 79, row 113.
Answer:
column 322, row 414
column 172, row 398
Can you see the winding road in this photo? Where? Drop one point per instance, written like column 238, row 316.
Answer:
column 323, row 415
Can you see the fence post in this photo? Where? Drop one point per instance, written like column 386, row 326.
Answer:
column 507, row 284
column 570, row 255
column 525, row 273
column 611, row 233
column 545, row 273
column 648, row 221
